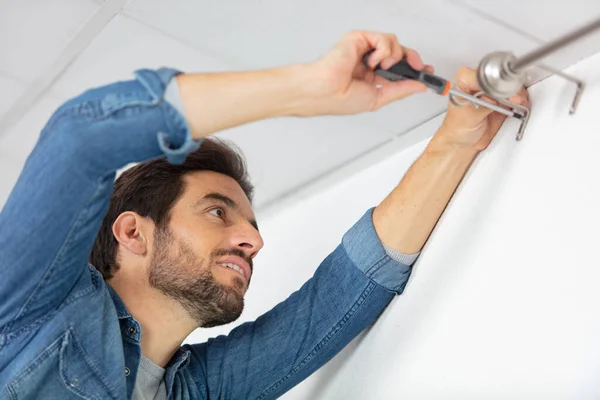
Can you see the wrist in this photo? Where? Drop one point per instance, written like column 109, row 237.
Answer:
column 442, row 143
column 302, row 88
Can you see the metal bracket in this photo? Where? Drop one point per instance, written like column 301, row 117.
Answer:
column 580, row 84
column 524, row 111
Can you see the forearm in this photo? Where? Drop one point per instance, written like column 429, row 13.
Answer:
column 405, row 219
column 217, row 101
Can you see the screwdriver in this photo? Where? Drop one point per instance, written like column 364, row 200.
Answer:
column 402, row 71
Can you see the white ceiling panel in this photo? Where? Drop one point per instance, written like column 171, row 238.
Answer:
column 268, row 33
column 124, row 46
column 265, row 33
column 545, row 20
column 33, row 32
column 541, row 18
column 282, row 154
column 10, row 90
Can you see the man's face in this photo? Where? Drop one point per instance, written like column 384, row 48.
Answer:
column 203, row 259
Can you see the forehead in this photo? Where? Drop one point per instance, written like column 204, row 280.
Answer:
column 200, row 183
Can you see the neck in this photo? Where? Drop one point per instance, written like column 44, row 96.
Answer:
column 165, row 324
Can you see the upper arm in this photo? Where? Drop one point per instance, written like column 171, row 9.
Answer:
column 265, row 358
column 50, row 221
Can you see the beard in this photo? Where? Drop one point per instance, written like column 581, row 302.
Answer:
column 183, row 278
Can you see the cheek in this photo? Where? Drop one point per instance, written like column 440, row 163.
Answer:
column 198, row 236
column 191, row 255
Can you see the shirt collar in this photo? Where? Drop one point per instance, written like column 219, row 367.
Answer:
column 179, row 361
column 122, row 312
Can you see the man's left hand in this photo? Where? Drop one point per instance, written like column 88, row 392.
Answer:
column 473, row 127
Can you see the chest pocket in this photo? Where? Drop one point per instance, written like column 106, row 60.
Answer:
column 63, row 371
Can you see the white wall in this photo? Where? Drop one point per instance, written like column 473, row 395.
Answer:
column 503, row 302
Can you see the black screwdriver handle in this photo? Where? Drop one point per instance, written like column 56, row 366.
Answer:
column 402, row 71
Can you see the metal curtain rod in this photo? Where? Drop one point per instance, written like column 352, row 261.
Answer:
column 535, row 55
column 501, row 74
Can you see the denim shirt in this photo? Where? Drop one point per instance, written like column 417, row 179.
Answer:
column 66, row 334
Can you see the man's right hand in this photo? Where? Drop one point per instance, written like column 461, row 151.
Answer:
column 342, row 84
column 337, row 83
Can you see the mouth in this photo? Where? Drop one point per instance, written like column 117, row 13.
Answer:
column 236, row 264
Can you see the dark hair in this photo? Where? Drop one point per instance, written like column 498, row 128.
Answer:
column 151, row 188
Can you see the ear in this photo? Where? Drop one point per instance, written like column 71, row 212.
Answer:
column 128, row 231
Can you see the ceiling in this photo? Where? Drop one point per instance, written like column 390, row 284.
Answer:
column 53, row 49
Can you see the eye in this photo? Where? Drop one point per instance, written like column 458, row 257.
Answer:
column 217, row 212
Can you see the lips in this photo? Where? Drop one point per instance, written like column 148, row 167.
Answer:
column 237, row 261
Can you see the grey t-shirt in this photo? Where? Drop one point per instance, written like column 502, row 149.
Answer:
column 149, row 384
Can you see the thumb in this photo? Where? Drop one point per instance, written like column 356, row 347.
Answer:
column 393, row 91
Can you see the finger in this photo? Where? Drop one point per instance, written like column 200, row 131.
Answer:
column 524, row 93
column 382, row 50
column 381, row 44
column 393, row 91
column 397, row 53
column 466, row 81
column 521, row 98
column 413, row 58
column 429, row 69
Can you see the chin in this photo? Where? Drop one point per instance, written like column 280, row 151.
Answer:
column 236, row 283
column 228, row 309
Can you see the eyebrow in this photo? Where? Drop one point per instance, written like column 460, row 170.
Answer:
column 227, row 201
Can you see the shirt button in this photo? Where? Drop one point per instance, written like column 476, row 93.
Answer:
column 127, row 371
column 74, row 382
column 132, row 330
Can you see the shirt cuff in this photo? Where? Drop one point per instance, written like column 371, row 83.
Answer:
column 369, row 255
column 161, row 84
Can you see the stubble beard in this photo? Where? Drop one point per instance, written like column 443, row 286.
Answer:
column 190, row 282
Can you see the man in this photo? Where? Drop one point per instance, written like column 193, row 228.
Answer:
column 173, row 251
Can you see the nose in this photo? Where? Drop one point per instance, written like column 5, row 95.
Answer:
column 246, row 238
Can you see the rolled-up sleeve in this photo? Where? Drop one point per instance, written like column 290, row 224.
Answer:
column 365, row 249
